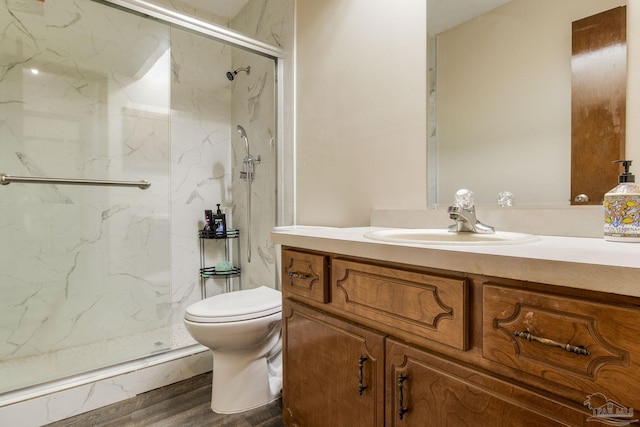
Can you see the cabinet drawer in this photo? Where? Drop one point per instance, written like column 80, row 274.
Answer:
column 305, row 274
column 587, row 346
column 431, row 307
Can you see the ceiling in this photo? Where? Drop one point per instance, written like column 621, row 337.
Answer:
column 442, row 14
column 445, row 14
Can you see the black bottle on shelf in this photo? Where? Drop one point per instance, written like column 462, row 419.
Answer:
column 219, row 223
column 208, row 220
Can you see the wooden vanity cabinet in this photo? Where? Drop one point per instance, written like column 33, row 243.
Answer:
column 366, row 343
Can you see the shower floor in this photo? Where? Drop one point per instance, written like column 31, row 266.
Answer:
column 32, row 370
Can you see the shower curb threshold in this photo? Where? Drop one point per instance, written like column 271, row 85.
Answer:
column 50, row 387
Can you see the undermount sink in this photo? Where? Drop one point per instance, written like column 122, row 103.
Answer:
column 434, row 236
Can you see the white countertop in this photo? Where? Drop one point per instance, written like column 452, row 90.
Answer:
column 583, row 263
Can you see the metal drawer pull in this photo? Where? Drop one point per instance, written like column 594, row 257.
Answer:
column 361, row 386
column 401, row 409
column 298, row 276
column 567, row 347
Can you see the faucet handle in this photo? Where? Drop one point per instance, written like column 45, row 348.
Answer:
column 464, row 199
column 505, row 199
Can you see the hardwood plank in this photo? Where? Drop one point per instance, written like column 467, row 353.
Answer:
column 186, row 403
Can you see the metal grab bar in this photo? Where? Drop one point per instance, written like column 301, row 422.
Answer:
column 8, row 179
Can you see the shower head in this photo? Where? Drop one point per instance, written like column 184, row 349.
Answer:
column 242, row 132
column 231, row 75
column 243, row 135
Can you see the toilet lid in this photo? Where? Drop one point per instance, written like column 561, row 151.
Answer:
column 236, row 306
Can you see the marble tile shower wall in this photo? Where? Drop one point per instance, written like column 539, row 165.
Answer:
column 80, row 264
column 207, row 152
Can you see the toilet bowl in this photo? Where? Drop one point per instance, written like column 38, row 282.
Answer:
column 242, row 329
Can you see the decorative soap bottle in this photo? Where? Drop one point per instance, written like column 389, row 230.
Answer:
column 622, row 208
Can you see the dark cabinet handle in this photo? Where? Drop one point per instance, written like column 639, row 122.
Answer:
column 578, row 349
column 298, row 276
column 361, row 386
column 401, row 408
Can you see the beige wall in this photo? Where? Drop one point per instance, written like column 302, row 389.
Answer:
column 360, row 109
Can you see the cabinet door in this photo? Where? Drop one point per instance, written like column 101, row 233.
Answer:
column 333, row 371
column 426, row 390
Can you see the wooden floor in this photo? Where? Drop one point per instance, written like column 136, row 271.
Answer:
column 184, row 404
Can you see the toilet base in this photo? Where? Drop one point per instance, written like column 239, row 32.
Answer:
column 246, row 380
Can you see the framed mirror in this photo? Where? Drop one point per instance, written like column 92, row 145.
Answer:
column 500, row 77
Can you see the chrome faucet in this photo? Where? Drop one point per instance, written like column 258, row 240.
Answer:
column 248, row 169
column 463, row 212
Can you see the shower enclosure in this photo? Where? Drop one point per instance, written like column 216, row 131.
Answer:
column 96, row 275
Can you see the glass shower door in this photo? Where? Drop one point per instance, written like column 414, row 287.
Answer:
column 84, row 270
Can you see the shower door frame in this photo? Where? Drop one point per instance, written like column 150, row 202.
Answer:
column 225, row 35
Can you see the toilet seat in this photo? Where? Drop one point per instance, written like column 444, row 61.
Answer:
column 236, row 306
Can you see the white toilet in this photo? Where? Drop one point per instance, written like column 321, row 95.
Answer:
column 242, row 329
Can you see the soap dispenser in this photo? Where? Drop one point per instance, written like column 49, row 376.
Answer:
column 622, row 208
column 219, row 223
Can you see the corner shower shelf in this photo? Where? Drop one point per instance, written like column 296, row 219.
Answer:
column 232, row 233
column 211, row 272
